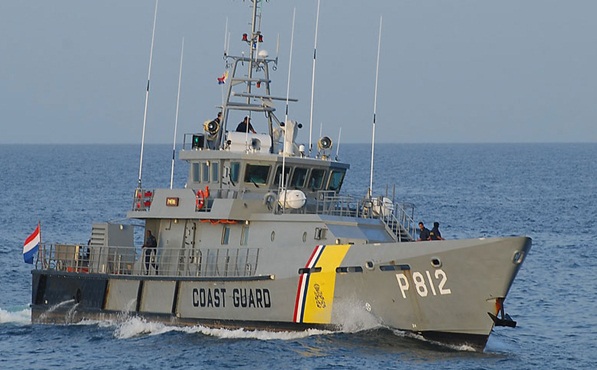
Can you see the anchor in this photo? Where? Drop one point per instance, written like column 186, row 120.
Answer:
column 505, row 319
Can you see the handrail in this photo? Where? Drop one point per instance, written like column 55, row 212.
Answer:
column 398, row 217
column 127, row 260
column 394, row 215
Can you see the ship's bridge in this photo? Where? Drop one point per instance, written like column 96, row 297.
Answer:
column 259, row 170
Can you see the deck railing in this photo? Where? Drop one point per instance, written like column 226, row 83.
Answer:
column 398, row 217
column 119, row 260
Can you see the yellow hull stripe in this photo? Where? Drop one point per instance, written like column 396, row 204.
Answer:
column 316, row 287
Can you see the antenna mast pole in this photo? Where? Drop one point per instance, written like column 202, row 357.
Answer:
column 374, row 111
column 176, row 119
column 338, row 146
column 155, row 15
column 282, row 180
column 253, row 44
column 313, row 79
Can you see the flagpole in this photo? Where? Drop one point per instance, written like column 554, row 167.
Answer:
column 41, row 246
column 225, row 56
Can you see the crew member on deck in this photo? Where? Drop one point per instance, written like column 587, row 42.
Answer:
column 434, row 234
column 150, row 251
column 242, row 127
column 423, row 232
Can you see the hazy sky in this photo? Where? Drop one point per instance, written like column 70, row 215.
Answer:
column 74, row 71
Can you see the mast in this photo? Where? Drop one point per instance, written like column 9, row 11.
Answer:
column 252, row 45
column 241, row 91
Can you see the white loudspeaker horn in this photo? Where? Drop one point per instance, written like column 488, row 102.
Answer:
column 324, row 143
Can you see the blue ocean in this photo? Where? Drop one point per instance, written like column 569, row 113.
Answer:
column 545, row 191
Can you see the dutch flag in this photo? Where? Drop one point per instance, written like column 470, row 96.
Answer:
column 222, row 80
column 31, row 245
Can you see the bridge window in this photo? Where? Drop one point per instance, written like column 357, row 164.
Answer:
column 336, row 179
column 298, row 177
column 215, row 172
column 196, row 172
column 257, row 174
column 279, row 174
column 205, row 171
column 316, row 179
column 234, row 171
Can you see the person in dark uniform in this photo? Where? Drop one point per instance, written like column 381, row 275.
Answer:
column 423, row 232
column 149, row 250
column 242, row 127
column 434, row 234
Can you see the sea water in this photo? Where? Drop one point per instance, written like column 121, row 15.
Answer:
column 545, row 191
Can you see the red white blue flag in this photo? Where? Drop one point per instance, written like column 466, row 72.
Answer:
column 31, row 245
column 222, row 80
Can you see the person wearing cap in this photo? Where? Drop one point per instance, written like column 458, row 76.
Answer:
column 245, row 126
column 423, row 232
column 434, row 234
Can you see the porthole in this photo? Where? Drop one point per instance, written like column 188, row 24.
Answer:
column 436, row 262
column 305, row 237
column 273, row 236
column 369, row 265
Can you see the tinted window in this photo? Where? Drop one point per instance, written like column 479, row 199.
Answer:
column 298, row 177
column 316, row 179
column 204, row 172
column 196, row 172
column 215, row 172
column 279, row 174
column 257, row 174
column 234, row 171
column 336, row 179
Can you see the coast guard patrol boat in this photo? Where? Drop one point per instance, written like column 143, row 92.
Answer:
column 262, row 237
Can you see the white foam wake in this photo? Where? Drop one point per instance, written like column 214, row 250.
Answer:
column 353, row 316
column 136, row 326
column 18, row 316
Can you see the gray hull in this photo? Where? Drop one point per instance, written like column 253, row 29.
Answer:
column 442, row 290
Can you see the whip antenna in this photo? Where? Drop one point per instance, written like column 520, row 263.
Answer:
column 374, row 111
column 226, row 38
column 313, row 79
column 176, row 119
column 282, row 180
column 338, row 146
column 155, row 16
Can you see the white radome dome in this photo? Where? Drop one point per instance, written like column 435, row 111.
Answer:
column 263, row 54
